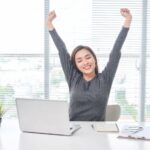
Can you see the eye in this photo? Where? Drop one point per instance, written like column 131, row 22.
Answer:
column 88, row 57
column 79, row 61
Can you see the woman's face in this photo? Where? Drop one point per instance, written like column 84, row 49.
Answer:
column 85, row 61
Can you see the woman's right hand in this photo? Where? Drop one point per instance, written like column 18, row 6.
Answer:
column 125, row 12
column 51, row 17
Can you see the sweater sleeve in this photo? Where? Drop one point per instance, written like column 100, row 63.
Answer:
column 64, row 55
column 109, row 71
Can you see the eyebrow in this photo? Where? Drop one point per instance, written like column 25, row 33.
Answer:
column 79, row 58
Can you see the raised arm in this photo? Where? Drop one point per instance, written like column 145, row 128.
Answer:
column 61, row 47
column 111, row 67
column 59, row 43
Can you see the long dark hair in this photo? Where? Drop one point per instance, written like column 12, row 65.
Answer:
column 78, row 48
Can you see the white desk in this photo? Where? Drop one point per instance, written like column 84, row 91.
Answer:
column 11, row 138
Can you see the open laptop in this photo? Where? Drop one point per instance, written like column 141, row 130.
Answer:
column 44, row 116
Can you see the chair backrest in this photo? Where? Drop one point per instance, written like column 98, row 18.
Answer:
column 112, row 112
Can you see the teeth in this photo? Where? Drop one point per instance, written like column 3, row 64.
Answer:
column 87, row 67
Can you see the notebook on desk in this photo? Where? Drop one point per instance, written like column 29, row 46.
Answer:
column 103, row 126
column 44, row 116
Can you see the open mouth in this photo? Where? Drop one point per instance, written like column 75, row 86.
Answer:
column 87, row 67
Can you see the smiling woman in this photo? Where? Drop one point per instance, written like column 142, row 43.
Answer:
column 89, row 90
column 85, row 61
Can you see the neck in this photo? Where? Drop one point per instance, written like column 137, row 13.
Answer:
column 89, row 77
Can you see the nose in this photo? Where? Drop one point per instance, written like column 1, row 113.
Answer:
column 85, row 62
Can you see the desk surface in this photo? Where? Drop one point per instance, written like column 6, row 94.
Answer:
column 11, row 138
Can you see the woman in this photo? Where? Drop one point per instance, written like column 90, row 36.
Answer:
column 89, row 90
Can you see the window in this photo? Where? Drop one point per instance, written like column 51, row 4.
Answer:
column 21, row 51
column 90, row 22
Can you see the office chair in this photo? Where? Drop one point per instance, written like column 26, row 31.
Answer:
column 112, row 112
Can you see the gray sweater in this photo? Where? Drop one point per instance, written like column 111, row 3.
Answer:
column 88, row 99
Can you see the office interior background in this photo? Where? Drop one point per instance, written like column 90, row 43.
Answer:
column 29, row 62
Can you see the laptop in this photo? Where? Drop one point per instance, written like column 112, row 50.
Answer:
column 44, row 116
